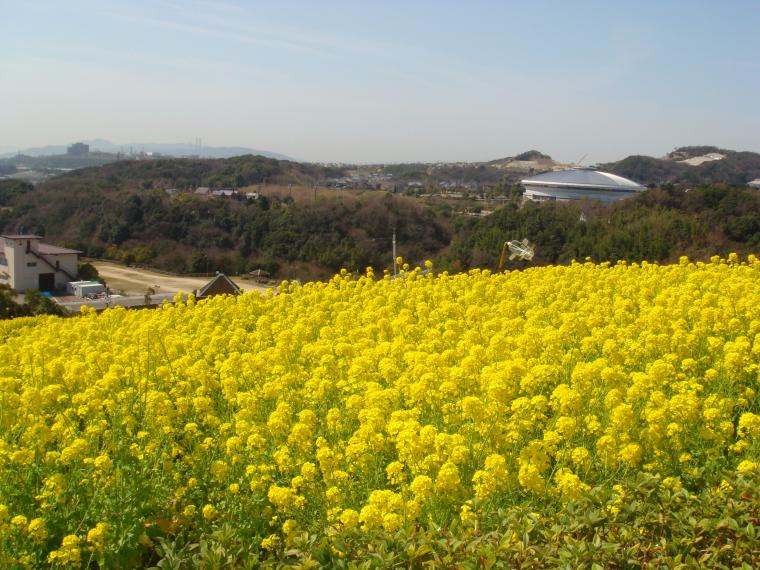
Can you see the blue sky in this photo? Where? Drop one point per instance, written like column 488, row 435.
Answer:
column 384, row 81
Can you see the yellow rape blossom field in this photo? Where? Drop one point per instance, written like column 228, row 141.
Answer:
column 560, row 416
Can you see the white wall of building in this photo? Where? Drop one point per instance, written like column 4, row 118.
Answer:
column 542, row 193
column 25, row 264
column 68, row 263
column 84, row 288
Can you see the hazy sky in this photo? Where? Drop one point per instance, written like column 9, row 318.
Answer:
column 384, row 81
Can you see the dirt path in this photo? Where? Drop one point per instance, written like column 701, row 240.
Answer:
column 135, row 281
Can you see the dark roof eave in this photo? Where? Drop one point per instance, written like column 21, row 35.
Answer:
column 55, row 250
column 208, row 285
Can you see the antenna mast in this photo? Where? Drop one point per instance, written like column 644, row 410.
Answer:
column 394, row 251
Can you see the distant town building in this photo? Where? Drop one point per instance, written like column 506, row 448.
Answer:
column 578, row 183
column 754, row 183
column 78, row 149
column 27, row 263
column 219, row 285
column 203, row 190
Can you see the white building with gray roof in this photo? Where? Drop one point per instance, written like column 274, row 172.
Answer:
column 27, row 263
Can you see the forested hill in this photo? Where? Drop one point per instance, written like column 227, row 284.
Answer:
column 122, row 211
column 657, row 225
column 197, row 234
column 734, row 168
column 186, row 173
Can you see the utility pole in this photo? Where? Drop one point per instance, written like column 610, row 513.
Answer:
column 394, row 251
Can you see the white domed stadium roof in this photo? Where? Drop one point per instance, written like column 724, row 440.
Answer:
column 583, row 178
column 579, row 183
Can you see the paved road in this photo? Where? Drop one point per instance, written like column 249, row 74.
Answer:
column 116, row 301
column 129, row 301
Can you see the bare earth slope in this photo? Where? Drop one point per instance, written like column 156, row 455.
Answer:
column 135, row 281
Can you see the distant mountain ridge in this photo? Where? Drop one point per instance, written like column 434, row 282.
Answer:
column 687, row 165
column 682, row 166
column 172, row 149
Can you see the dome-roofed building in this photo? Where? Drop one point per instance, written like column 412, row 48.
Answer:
column 577, row 183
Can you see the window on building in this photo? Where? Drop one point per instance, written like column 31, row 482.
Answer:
column 31, row 264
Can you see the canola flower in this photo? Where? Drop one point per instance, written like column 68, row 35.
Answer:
column 371, row 404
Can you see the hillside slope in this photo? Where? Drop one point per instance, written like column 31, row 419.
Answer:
column 122, row 212
column 734, row 168
column 656, row 225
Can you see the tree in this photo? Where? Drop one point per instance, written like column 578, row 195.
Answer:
column 199, row 262
column 37, row 304
column 88, row 272
column 128, row 258
column 148, row 292
column 9, row 308
column 133, row 213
